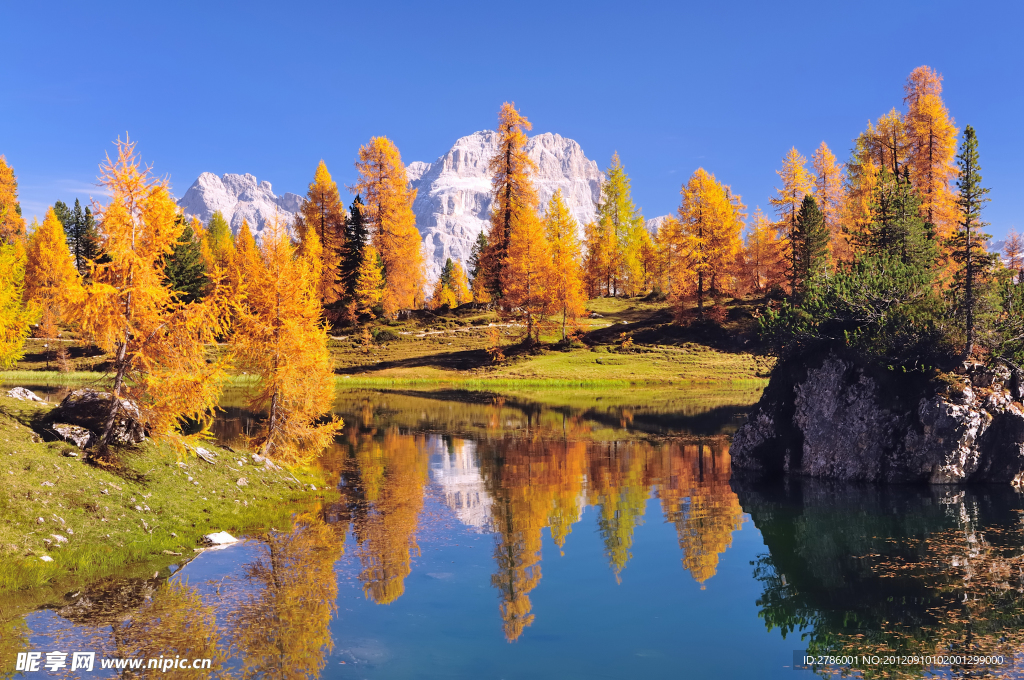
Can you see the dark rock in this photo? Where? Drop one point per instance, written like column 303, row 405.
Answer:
column 835, row 417
column 90, row 409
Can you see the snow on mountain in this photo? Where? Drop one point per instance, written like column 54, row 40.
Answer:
column 654, row 224
column 453, row 202
column 238, row 197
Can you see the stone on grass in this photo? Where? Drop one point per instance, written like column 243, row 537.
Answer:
column 242, row 481
column 72, row 434
column 46, row 558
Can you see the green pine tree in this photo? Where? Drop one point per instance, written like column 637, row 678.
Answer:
column 81, row 233
column 447, row 273
column 810, row 246
column 356, row 237
column 185, row 269
column 479, row 246
column 897, row 228
column 968, row 245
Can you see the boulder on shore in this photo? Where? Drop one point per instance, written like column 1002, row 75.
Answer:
column 23, row 394
column 838, row 417
column 90, row 409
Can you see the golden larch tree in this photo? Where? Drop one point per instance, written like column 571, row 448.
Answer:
column 12, row 226
column 323, row 215
column 623, row 226
column 515, row 199
column 158, row 342
column 889, row 142
column 51, row 279
column 861, row 180
column 797, row 182
column 668, row 242
column 460, row 284
column 931, row 149
column 280, row 337
column 711, row 221
column 218, row 246
column 597, row 264
column 763, row 253
column 1013, row 251
column 526, row 276
column 830, row 192
column 16, row 316
column 388, row 215
column 369, row 282
column 246, row 259
column 566, row 275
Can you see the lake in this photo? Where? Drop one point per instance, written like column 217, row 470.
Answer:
column 564, row 534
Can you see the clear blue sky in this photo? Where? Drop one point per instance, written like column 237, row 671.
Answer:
column 271, row 88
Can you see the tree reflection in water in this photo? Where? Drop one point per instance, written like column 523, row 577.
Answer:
column 536, row 477
column 898, row 572
column 281, row 629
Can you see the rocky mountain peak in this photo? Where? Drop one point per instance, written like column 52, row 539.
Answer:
column 238, row 197
column 453, row 202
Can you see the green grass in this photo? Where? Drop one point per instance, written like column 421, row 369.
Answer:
column 98, row 504
column 451, row 347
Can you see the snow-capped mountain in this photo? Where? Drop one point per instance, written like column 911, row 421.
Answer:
column 453, row 202
column 238, row 197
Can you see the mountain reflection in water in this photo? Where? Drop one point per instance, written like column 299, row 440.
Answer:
column 605, row 540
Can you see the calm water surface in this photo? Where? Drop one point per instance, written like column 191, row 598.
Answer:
column 484, row 537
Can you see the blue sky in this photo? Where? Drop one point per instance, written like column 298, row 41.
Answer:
column 271, row 88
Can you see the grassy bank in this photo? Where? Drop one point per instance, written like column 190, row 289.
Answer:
column 622, row 342
column 151, row 502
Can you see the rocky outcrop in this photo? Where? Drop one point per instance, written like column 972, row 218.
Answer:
column 89, row 409
column 835, row 417
column 453, row 200
column 238, row 197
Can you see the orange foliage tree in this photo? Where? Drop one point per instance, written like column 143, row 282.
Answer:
column 931, row 149
column 711, row 220
column 566, row 283
column 323, row 215
column 280, row 337
column 157, row 341
column 1013, row 251
column 526, row 276
column 515, row 199
column 797, row 182
column 388, row 216
column 369, row 289
column 12, row 226
column 830, row 193
column 51, row 279
column 763, row 254
column 15, row 315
